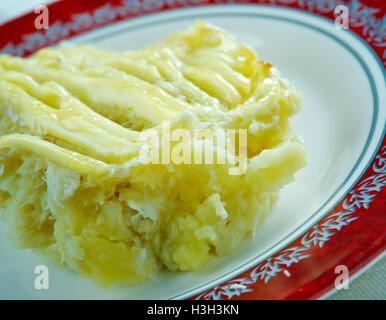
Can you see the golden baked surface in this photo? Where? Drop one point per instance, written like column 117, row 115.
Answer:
column 71, row 184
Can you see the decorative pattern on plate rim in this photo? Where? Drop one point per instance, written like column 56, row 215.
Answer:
column 360, row 15
column 359, row 197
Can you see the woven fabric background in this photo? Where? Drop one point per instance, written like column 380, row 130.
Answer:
column 371, row 284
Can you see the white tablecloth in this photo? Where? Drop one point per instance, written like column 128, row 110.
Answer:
column 370, row 285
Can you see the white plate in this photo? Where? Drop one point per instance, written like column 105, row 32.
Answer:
column 342, row 125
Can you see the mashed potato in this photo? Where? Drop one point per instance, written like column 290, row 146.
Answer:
column 72, row 186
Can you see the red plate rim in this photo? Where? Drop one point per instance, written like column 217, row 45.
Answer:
column 351, row 234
